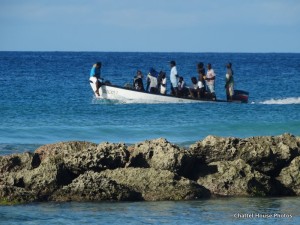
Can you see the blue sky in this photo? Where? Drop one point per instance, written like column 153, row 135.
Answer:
column 153, row 25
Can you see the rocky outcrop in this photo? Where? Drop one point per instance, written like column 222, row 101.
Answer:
column 153, row 170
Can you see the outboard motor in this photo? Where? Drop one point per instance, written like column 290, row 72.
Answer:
column 240, row 95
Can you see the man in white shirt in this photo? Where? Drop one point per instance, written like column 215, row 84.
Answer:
column 174, row 78
column 210, row 81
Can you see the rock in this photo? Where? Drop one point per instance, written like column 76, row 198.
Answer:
column 153, row 170
column 79, row 157
column 267, row 155
column 58, row 165
column 236, row 178
column 162, row 155
column 290, row 176
column 156, row 185
column 16, row 162
column 63, row 148
column 15, row 195
column 270, row 154
column 105, row 156
column 214, row 149
column 42, row 181
column 91, row 186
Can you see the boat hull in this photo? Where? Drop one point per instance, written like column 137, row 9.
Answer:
column 124, row 95
column 128, row 95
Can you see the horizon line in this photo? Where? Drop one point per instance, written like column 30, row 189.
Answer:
column 194, row 52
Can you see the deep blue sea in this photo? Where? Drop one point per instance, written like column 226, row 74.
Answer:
column 45, row 97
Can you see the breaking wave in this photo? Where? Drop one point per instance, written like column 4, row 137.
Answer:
column 283, row 101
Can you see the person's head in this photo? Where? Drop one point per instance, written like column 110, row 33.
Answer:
column 172, row 63
column 229, row 65
column 139, row 73
column 180, row 79
column 209, row 66
column 98, row 64
column 200, row 65
column 194, row 80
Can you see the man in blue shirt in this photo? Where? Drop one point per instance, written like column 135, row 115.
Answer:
column 95, row 77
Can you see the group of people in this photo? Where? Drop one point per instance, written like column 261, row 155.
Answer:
column 202, row 86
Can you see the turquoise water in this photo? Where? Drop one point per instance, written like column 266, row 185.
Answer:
column 215, row 211
column 45, row 97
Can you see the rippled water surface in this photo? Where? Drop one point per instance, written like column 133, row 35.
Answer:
column 46, row 98
column 215, row 211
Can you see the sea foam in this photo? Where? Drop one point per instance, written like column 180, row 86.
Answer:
column 283, row 101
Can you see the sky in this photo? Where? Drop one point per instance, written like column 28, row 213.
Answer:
column 150, row 25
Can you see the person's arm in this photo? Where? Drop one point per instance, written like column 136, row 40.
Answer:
column 164, row 81
column 228, row 78
column 176, row 73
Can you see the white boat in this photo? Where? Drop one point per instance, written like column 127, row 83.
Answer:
column 127, row 95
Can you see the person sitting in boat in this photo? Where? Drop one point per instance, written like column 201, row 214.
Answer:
column 182, row 89
column 210, row 81
column 152, row 81
column 138, row 81
column 95, row 78
column 163, row 83
column 194, row 89
column 229, row 85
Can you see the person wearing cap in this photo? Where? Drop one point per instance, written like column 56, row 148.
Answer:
column 210, row 81
column 229, row 85
column 95, row 77
column 174, row 78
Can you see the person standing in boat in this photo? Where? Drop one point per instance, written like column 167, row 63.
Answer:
column 174, row 78
column 229, row 85
column 138, row 81
column 210, row 81
column 95, row 77
column 201, row 77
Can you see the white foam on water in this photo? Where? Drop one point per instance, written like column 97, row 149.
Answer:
column 283, row 101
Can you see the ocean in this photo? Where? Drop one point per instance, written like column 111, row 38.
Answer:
column 45, row 97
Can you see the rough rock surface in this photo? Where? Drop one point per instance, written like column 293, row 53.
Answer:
column 290, row 176
column 91, row 186
column 153, row 170
column 265, row 154
column 236, row 178
column 155, row 184
column 162, row 155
